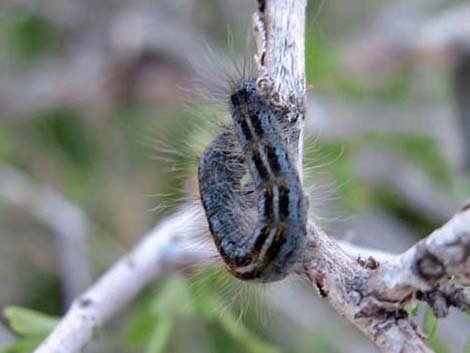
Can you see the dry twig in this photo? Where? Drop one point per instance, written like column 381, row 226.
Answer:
column 66, row 220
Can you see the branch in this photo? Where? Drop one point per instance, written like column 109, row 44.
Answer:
column 372, row 293
column 407, row 32
column 279, row 27
column 419, row 193
column 461, row 81
column 167, row 248
column 67, row 221
column 6, row 337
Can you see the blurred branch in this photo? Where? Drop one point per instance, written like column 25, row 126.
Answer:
column 66, row 220
column 408, row 30
column 443, row 34
column 388, row 171
column 168, row 247
column 6, row 337
column 461, row 77
column 333, row 119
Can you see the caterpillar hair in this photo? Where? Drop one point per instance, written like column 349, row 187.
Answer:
column 265, row 250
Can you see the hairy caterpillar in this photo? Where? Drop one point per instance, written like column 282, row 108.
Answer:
column 266, row 250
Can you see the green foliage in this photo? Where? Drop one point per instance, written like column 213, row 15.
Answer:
column 7, row 144
column 68, row 142
column 153, row 322
column 320, row 60
column 422, row 151
column 23, row 345
column 324, row 70
column 430, row 324
column 32, row 327
column 160, row 335
column 413, row 308
column 438, row 346
column 174, row 299
column 320, row 343
column 336, row 157
column 67, row 135
column 338, row 163
column 142, row 322
column 29, row 322
column 29, row 37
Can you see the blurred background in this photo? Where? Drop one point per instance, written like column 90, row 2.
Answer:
column 88, row 89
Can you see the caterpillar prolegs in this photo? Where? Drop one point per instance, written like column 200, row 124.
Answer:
column 264, row 250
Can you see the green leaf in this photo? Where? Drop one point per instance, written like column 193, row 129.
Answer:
column 23, row 345
column 413, row 309
column 29, row 322
column 207, row 304
column 7, row 145
column 140, row 326
column 174, row 298
column 319, row 342
column 438, row 346
column 160, row 335
column 29, row 36
column 430, row 324
column 212, row 307
column 241, row 334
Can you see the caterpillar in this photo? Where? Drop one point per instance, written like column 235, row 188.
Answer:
column 265, row 249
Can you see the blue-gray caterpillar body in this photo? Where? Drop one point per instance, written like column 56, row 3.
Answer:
column 263, row 250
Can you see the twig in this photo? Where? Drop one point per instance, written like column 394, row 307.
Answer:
column 6, row 337
column 419, row 193
column 280, row 34
column 168, row 247
column 406, row 31
column 333, row 119
column 66, row 220
column 372, row 292
column 461, row 78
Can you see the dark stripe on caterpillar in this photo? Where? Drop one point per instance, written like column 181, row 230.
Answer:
column 259, row 165
column 256, row 123
column 268, row 250
column 284, row 210
column 272, row 158
column 265, row 209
